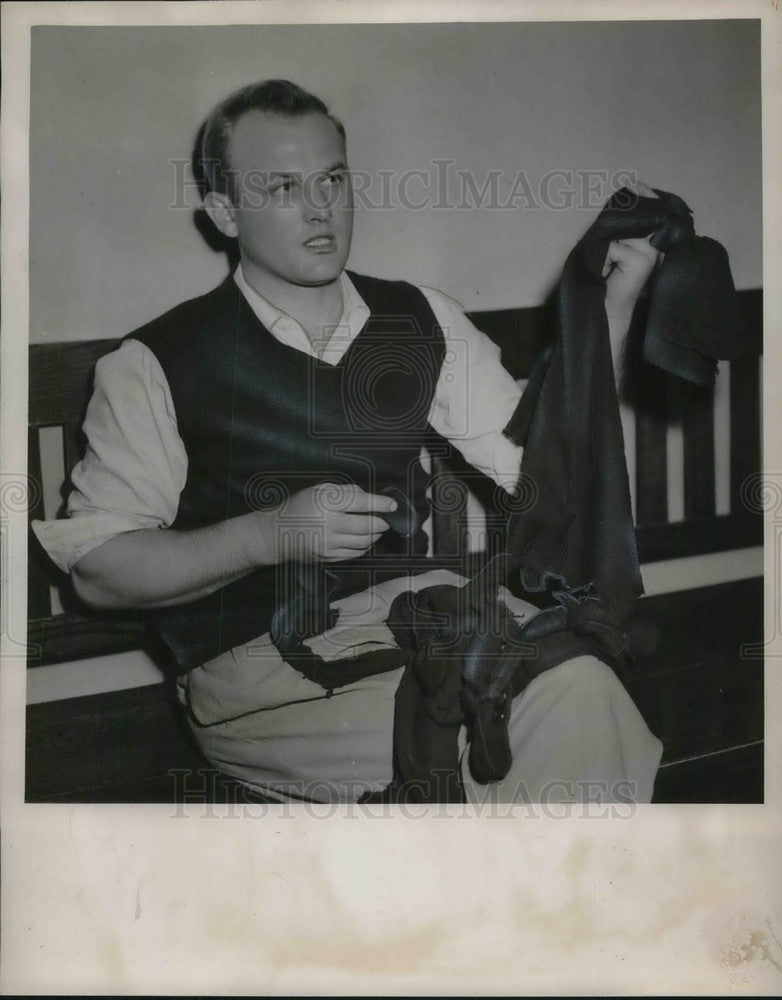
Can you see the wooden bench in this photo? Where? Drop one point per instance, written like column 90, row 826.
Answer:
column 697, row 692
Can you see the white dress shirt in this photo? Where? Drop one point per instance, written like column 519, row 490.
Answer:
column 135, row 466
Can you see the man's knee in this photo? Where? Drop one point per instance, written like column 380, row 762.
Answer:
column 580, row 673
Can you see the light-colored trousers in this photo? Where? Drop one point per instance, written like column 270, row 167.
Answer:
column 574, row 731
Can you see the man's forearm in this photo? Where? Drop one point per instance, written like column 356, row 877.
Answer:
column 618, row 326
column 155, row 567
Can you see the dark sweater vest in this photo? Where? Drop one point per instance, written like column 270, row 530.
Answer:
column 261, row 421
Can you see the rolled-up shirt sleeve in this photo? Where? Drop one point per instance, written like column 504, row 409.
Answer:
column 135, row 465
column 475, row 395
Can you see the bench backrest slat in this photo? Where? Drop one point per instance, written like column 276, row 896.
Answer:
column 745, row 425
column 61, row 380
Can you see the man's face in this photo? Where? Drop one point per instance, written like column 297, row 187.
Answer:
column 293, row 202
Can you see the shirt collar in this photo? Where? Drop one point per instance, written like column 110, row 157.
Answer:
column 355, row 313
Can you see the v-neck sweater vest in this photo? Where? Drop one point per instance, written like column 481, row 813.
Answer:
column 261, row 420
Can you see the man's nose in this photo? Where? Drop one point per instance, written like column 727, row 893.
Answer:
column 320, row 212
column 320, row 203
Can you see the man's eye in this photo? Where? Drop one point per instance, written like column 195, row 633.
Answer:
column 335, row 179
column 285, row 186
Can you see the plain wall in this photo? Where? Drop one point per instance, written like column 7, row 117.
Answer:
column 113, row 108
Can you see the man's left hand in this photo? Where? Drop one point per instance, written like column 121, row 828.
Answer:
column 629, row 263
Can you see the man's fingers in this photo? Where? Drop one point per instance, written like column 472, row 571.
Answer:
column 644, row 190
column 620, row 251
column 345, row 552
column 360, row 524
column 356, row 543
column 351, row 498
column 368, row 503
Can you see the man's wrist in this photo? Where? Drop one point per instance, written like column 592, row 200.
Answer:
column 265, row 548
column 619, row 318
column 619, row 311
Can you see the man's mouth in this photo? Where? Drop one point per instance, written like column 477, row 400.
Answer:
column 323, row 244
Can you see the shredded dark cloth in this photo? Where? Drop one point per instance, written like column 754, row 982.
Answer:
column 579, row 528
column 572, row 546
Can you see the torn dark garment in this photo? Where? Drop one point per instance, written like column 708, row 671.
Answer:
column 576, row 525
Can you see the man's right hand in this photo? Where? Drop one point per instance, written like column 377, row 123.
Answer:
column 330, row 522
column 152, row 567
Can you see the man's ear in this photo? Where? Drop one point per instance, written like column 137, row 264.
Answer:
column 221, row 211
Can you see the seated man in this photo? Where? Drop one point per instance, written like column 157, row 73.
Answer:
column 278, row 421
